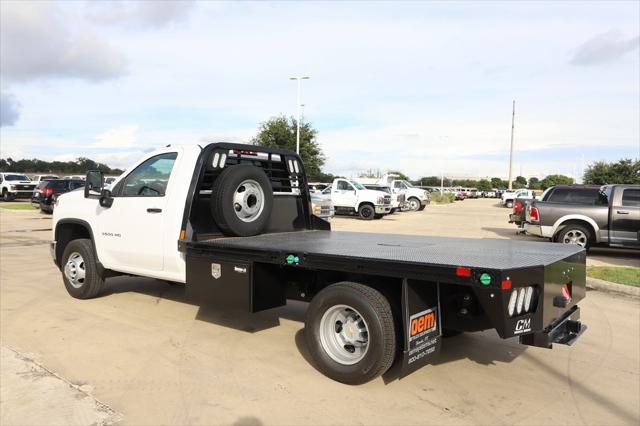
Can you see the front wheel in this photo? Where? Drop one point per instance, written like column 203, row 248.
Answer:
column 422, row 207
column 366, row 212
column 80, row 270
column 351, row 333
column 509, row 204
column 414, row 204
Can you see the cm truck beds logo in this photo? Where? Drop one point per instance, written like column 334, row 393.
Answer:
column 522, row 326
column 422, row 323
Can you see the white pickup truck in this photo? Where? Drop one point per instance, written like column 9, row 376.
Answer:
column 507, row 199
column 350, row 197
column 416, row 198
column 234, row 223
column 15, row 185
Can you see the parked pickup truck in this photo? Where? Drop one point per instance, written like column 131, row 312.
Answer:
column 398, row 200
column 507, row 198
column 15, row 185
column 587, row 215
column 350, row 197
column 233, row 223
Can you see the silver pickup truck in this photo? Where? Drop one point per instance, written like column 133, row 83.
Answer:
column 587, row 215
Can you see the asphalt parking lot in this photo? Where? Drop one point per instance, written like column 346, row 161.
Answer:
column 141, row 354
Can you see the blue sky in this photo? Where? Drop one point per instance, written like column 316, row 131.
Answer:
column 424, row 87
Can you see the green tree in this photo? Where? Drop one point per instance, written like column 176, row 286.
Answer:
column 484, row 185
column 552, row 180
column 429, row 181
column 280, row 132
column 498, row 183
column 534, row 183
column 602, row 173
column 522, row 181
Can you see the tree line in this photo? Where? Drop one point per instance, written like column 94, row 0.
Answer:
column 76, row 167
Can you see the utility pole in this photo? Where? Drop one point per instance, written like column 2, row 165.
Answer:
column 299, row 79
column 513, row 120
column 442, row 182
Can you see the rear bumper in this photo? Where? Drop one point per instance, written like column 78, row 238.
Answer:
column 565, row 331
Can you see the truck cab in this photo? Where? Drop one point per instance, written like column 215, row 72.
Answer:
column 351, row 197
column 417, row 198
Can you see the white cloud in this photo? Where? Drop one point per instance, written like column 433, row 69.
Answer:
column 38, row 41
column 9, row 109
column 605, row 48
column 119, row 137
column 141, row 14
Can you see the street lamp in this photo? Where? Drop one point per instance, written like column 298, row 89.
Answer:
column 299, row 79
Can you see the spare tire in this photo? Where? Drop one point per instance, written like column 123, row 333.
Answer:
column 242, row 200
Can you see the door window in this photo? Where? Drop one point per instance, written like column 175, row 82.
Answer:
column 343, row 185
column 631, row 197
column 150, row 178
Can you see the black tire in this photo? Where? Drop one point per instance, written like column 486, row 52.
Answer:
column 422, row 207
column 377, row 314
column 508, row 204
column 414, row 204
column 378, row 216
column 5, row 195
column 367, row 212
column 565, row 234
column 93, row 283
column 222, row 201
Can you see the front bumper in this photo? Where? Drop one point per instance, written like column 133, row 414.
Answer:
column 383, row 209
column 21, row 193
column 52, row 250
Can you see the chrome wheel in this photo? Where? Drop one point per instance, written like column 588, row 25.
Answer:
column 575, row 236
column 344, row 334
column 248, row 200
column 414, row 204
column 75, row 270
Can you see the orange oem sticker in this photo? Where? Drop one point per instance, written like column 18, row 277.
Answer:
column 422, row 322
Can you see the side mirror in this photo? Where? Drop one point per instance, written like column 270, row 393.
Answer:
column 105, row 199
column 93, row 184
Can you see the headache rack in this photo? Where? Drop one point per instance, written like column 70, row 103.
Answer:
column 283, row 168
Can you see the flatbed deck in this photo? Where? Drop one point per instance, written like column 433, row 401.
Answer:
column 357, row 248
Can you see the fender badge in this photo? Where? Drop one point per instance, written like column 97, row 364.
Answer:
column 216, row 270
column 240, row 269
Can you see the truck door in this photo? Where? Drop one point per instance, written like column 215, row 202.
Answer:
column 344, row 194
column 131, row 236
column 625, row 217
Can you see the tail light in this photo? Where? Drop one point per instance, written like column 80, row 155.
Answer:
column 47, row 191
column 535, row 215
column 521, row 301
column 517, row 207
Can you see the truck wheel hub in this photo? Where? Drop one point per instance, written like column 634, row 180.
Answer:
column 344, row 334
column 248, row 200
column 74, row 270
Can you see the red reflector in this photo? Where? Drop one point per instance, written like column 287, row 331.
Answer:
column 566, row 292
column 463, row 272
column 517, row 207
column 505, row 285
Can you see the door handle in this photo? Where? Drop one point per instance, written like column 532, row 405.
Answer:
column 154, row 210
column 622, row 212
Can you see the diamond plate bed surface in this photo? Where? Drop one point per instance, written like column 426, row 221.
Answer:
column 485, row 253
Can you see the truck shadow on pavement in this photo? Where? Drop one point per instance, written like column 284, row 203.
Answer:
column 484, row 348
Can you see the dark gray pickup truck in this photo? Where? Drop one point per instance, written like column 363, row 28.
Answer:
column 587, row 215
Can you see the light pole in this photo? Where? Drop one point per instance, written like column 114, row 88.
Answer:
column 299, row 79
column 513, row 121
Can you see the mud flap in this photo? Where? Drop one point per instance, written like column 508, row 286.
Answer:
column 422, row 328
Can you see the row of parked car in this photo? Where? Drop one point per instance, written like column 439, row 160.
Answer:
column 368, row 198
column 586, row 215
column 42, row 189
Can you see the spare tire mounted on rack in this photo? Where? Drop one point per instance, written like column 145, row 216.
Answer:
column 242, row 200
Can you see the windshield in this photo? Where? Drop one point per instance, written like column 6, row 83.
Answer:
column 408, row 183
column 357, row 185
column 16, row 177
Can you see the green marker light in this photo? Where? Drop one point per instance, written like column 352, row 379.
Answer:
column 291, row 259
column 485, row 279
